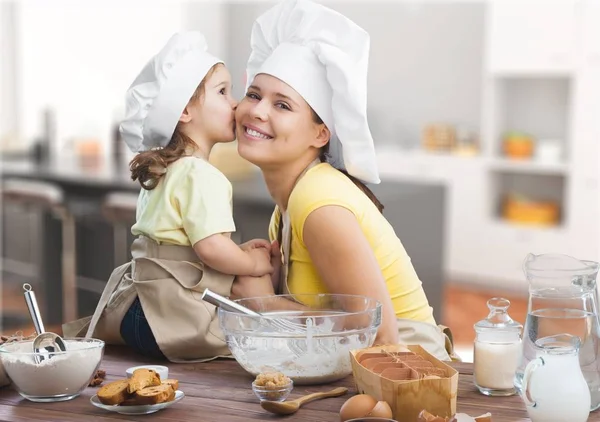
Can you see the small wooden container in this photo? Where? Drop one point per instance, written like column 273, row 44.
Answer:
column 439, row 138
column 538, row 213
column 417, row 381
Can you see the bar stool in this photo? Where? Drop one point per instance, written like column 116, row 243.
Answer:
column 119, row 208
column 47, row 196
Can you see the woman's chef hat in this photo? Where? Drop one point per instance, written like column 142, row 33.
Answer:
column 159, row 94
column 324, row 56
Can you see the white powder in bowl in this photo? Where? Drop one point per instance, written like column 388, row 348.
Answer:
column 306, row 362
column 63, row 374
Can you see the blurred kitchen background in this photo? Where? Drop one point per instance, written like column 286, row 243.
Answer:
column 485, row 114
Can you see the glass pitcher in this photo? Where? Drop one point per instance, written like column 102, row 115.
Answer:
column 563, row 298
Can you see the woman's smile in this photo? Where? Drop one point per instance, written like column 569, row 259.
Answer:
column 255, row 134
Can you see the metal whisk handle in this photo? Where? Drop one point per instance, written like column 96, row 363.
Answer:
column 223, row 302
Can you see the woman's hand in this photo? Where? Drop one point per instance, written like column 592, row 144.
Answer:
column 248, row 286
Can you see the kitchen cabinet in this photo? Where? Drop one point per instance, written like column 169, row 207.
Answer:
column 590, row 16
column 532, row 36
column 542, row 78
column 585, row 187
column 541, row 75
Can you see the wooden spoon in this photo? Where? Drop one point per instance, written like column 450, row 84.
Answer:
column 289, row 407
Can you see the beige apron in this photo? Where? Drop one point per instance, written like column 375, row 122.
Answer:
column 169, row 281
column 437, row 340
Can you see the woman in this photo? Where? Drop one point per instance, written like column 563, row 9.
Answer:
column 303, row 123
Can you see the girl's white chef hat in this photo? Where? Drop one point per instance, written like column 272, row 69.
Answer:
column 324, row 56
column 159, row 94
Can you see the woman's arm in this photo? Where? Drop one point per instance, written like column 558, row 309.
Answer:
column 346, row 263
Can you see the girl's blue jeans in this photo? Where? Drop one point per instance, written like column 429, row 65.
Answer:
column 137, row 333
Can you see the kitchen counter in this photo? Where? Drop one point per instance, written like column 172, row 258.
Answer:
column 111, row 178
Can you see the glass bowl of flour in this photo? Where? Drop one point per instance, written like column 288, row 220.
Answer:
column 306, row 337
column 60, row 376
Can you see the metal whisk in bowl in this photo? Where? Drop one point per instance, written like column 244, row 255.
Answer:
column 231, row 306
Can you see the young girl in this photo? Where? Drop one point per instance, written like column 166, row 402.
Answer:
column 178, row 108
column 184, row 199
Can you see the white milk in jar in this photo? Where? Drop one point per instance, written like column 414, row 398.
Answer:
column 495, row 364
column 497, row 350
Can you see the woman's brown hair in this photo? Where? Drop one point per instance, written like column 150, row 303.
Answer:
column 149, row 167
column 323, row 157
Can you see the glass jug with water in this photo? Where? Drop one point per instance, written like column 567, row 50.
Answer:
column 563, row 298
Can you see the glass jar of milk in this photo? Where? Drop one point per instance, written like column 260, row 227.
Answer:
column 497, row 350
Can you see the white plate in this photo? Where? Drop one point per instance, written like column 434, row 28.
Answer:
column 137, row 410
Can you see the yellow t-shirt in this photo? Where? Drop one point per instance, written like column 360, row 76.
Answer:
column 192, row 201
column 323, row 185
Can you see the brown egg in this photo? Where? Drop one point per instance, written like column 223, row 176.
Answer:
column 357, row 407
column 364, row 405
column 381, row 410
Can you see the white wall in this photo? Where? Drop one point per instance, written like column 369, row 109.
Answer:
column 241, row 16
column 211, row 19
column 8, row 97
column 80, row 57
column 425, row 61
column 425, row 65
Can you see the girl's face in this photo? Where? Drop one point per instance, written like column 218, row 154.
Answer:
column 212, row 115
column 275, row 124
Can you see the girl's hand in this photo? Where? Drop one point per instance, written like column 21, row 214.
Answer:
column 262, row 261
column 255, row 243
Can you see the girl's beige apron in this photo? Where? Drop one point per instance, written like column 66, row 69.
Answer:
column 169, row 281
column 437, row 340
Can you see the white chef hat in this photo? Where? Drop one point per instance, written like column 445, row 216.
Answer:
column 324, row 56
column 159, row 94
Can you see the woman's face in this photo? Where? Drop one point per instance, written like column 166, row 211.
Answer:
column 275, row 124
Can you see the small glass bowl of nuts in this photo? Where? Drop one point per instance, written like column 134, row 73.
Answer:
column 272, row 386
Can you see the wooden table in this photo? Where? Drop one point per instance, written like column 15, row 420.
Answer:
column 220, row 391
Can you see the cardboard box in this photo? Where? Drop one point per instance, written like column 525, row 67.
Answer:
column 407, row 388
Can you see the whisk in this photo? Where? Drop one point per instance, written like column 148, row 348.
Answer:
column 279, row 323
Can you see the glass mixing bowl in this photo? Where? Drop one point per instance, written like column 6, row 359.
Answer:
column 306, row 337
column 60, row 376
